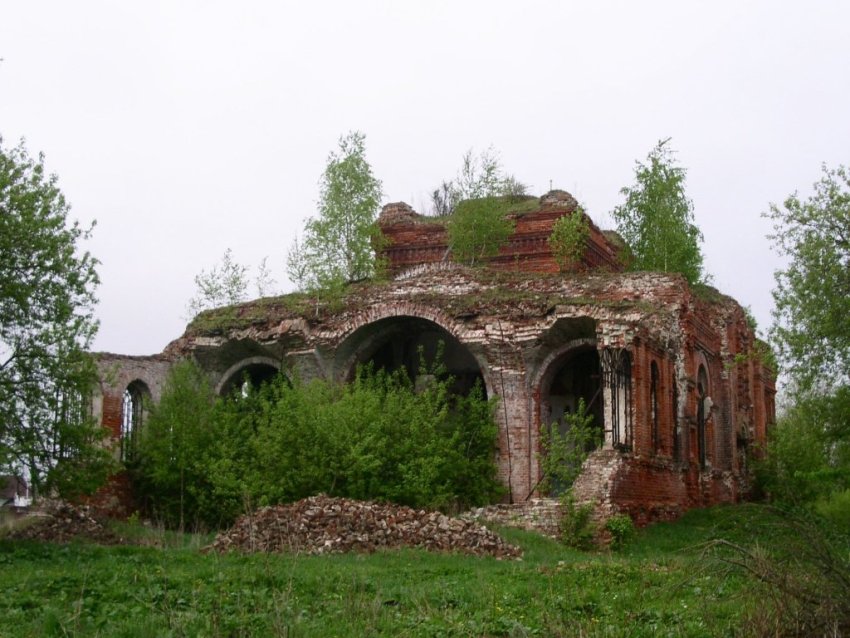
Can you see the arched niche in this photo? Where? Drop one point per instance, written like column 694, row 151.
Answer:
column 412, row 344
column 253, row 372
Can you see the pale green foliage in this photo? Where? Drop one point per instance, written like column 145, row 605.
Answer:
column 337, row 244
column 656, row 219
column 264, row 281
column 223, row 285
column 812, row 317
column 477, row 229
column 568, row 240
column 562, row 454
column 479, row 176
column 47, row 322
column 227, row 284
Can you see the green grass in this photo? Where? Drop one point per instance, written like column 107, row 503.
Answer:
column 659, row 585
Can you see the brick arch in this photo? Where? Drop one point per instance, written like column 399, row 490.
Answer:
column 544, row 373
column 540, row 383
column 546, row 366
column 347, row 350
column 407, row 309
column 241, row 364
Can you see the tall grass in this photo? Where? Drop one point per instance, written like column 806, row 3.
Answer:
column 657, row 586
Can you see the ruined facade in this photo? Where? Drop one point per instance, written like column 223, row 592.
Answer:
column 669, row 371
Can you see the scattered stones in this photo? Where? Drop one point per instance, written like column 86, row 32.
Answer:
column 60, row 522
column 324, row 525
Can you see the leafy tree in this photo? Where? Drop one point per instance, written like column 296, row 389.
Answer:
column 46, row 324
column 171, row 470
column 337, row 245
column 808, row 458
column 656, row 219
column 568, row 240
column 811, row 327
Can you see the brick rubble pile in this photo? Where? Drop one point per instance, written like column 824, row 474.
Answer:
column 62, row 522
column 323, row 525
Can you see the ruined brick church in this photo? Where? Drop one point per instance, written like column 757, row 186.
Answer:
column 669, row 371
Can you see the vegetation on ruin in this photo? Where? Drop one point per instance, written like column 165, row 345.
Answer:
column 568, row 240
column 502, row 291
column 656, row 219
column 337, row 245
column 666, row 581
column 227, row 284
column 564, row 448
column 478, row 228
column 203, row 459
column 480, row 176
column 47, row 298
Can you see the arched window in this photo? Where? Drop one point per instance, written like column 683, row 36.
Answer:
column 703, row 408
column 653, row 406
column 133, row 410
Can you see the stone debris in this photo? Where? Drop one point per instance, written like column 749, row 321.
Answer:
column 540, row 515
column 325, row 525
column 60, row 522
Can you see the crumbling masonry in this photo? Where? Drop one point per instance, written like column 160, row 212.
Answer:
column 669, row 370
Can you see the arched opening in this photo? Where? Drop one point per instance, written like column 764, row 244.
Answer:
column 248, row 374
column 134, row 409
column 418, row 346
column 572, row 379
column 703, row 412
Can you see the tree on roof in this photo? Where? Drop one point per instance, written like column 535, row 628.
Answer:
column 657, row 217
column 337, row 244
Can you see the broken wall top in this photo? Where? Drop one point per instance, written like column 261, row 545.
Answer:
column 413, row 239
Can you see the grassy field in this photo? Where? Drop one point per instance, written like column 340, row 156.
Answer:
column 661, row 584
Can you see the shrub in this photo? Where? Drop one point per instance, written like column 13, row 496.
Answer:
column 563, row 453
column 577, row 528
column 478, row 228
column 206, row 460
column 622, row 529
column 568, row 240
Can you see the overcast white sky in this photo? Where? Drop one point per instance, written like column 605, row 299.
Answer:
column 185, row 128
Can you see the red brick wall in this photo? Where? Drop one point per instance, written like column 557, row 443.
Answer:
column 412, row 240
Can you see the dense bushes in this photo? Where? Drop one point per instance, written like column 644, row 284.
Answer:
column 204, row 460
column 808, row 455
